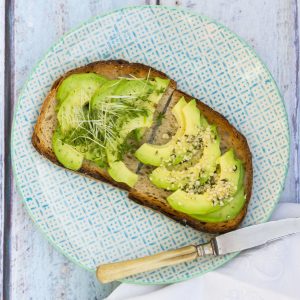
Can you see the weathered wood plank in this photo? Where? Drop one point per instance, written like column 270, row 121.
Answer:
column 268, row 26
column 37, row 270
column 2, row 47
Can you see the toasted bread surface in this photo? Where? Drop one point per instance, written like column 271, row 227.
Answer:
column 144, row 192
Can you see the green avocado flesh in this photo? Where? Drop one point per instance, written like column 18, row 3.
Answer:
column 112, row 150
column 226, row 213
column 182, row 144
column 97, row 116
column 120, row 173
column 173, row 179
column 151, row 154
column 72, row 95
column 216, row 195
column 66, row 154
column 230, row 210
column 87, row 83
column 105, row 94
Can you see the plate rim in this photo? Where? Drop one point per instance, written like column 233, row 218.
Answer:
column 89, row 21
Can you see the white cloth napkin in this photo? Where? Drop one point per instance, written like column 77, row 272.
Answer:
column 271, row 272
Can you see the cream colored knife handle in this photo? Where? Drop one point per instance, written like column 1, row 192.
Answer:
column 114, row 271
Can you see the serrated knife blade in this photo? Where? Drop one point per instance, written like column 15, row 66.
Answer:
column 253, row 236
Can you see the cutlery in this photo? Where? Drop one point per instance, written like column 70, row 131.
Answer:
column 234, row 241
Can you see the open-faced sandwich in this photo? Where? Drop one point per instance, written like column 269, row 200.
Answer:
column 126, row 124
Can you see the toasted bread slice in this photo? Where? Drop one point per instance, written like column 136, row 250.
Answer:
column 47, row 120
column 145, row 193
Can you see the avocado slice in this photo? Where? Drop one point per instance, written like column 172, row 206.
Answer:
column 120, row 173
column 230, row 210
column 67, row 155
column 72, row 95
column 136, row 89
column 151, row 154
column 160, row 86
column 87, row 82
column 104, row 94
column 139, row 133
column 226, row 213
column 175, row 179
column 135, row 123
column 132, row 90
column 141, row 119
column 180, row 147
column 216, row 196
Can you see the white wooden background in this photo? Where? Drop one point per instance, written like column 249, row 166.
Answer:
column 29, row 267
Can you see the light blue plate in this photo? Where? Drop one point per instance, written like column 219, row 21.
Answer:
column 92, row 222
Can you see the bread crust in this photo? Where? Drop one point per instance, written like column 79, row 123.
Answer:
column 230, row 137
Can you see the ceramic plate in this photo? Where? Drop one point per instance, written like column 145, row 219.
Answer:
column 92, row 222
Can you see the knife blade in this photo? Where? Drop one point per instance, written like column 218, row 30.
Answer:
column 253, row 236
column 238, row 240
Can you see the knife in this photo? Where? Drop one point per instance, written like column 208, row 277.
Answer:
column 234, row 241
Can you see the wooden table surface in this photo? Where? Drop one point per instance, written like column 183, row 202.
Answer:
column 29, row 267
